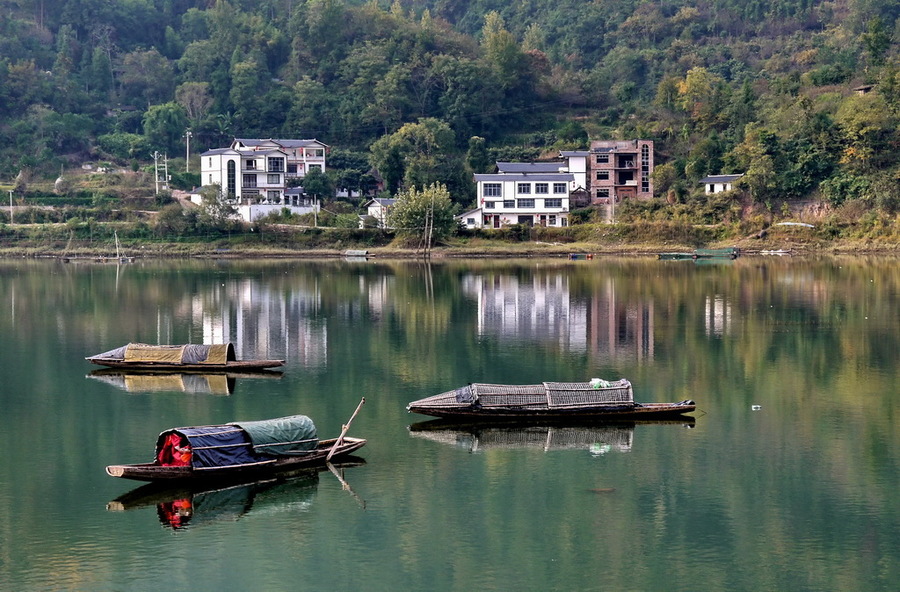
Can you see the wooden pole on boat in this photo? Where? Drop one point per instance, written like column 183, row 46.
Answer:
column 344, row 429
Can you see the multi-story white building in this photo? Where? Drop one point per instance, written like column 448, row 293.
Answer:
column 530, row 193
column 254, row 174
column 301, row 156
column 258, row 171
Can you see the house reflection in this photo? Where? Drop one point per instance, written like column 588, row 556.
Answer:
column 542, row 308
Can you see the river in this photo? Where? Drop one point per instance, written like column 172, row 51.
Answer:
column 785, row 478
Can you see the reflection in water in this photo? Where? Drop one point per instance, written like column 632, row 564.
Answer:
column 803, row 490
column 212, row 383
column 182, row 505
column 546, row 306
column 598, row 438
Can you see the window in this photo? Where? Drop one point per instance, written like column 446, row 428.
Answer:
column 552, row 220
column 541, row 188
column 603, row 159
column 315, row 153
column 553, row 203
column 489, row 205
column 232, row 178
column 509, row 203
column 603, row 192
column 603, row 175
column 273, row 179
column 526, row 203
column 523, row 188
column 273, row 196
column 645, row 168
column 250, row 165
column 317, row 167
column 276, row 164
column 559, row 188
column 292, row 168
column 249, row 181
column 470, row 221
column 492, row 190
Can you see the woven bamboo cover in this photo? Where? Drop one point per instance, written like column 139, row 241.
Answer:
column 577, row 394
column 502, row 395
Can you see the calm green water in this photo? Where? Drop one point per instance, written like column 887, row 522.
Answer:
column 799, row 494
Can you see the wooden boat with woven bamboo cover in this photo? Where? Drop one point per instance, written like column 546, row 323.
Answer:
column 183, row 358
column 239, row 450
column 548, row 400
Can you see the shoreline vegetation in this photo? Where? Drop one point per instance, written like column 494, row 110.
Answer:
column 105, row 242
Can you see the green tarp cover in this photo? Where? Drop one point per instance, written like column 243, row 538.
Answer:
column 283, row 436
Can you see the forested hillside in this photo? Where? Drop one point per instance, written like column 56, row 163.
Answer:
column 763, row 87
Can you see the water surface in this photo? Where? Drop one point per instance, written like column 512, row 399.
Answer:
column 786, row 479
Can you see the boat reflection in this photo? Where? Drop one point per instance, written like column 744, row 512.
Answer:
column 598, row 438
column 194, row 504
column 212, row 383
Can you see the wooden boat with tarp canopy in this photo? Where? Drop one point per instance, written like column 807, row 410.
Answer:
column 239, row 450
column 552, row 400
column 184, row 358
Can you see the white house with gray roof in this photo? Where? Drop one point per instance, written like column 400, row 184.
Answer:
column 535, row 197
column 719, row 183
column 254, row 175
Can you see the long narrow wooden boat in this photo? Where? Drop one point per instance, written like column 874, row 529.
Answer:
column 243, row 450
column 725, row 253
column 183, row 358
column 548, row 400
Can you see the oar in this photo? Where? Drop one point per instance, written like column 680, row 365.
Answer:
column 346, row 426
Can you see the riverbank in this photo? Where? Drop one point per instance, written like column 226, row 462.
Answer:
column 486, row 249
column 106, row 242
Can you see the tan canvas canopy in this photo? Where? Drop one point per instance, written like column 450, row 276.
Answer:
column 215, row 354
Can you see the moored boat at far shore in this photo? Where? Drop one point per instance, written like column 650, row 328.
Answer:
column 183, row 358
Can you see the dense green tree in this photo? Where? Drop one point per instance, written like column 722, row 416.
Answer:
column 477, row 157
column 318, row 184
column 424, row 216
column 754, row 157
column 869, row 129
column 147, row 78
column 195, row 99
column 164, row 127
column 421, row 154
column 877, row 41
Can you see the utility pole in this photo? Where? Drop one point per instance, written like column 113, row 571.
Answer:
column 187, row 152
column 155, row 156
column 10, row 207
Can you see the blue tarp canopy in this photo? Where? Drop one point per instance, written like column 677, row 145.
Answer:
column 246, row 443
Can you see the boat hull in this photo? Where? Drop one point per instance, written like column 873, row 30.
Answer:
column 638, row 411
column 155, row 472
column 238, row 365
